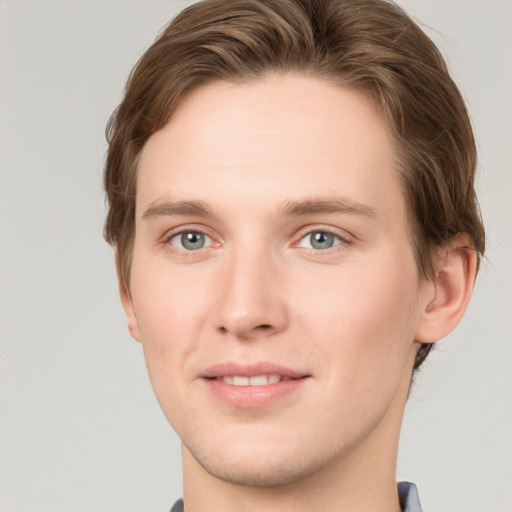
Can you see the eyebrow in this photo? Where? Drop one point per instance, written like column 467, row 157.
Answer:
column 161, row 208
column 311, row 206
column 330, row 205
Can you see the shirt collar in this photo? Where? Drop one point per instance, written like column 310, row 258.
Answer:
column 409, row 497
column 407, row 493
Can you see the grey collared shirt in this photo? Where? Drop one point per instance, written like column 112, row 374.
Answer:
column 407, row 493
column 409, row 497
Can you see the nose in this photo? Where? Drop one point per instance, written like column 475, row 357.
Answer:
column 252, row 299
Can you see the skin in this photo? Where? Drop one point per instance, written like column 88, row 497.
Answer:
column 272, row 162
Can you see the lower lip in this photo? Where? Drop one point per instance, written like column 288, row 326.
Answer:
column 251, row 397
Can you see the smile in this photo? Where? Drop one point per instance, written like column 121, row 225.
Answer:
column 257, row 380
column 254, row 386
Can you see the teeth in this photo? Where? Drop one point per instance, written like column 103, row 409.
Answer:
column 257, row 380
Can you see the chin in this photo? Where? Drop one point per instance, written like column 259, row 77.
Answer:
column 263, row 466
column 257, row 473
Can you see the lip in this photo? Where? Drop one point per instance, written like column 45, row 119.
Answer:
column 251, row 397
column 230, row 369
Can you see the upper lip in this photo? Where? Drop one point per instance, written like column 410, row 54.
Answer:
column 228, row 369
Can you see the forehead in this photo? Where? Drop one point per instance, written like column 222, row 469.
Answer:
column 280, row 138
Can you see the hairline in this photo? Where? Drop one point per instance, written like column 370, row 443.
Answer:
column 309, row 71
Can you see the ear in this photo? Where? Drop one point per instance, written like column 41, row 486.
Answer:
column 126, row 300
column 449, row 291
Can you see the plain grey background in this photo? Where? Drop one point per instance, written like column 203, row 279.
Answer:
column 79, row 426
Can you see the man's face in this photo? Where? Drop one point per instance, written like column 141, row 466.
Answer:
column 274, row 286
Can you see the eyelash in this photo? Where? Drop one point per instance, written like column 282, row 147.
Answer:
column 340, row 242
column 337, row 239
column 184, row 231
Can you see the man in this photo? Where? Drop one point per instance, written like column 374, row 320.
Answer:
column 292, row 205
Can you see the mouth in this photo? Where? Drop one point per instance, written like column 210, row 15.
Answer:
column 258, row 374
column 256, row 380
column 253, row 386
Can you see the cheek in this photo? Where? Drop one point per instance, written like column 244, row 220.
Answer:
column 163, row 325
column 165, row 317
column 168, row 302
column 173, row 310
column 365, row 321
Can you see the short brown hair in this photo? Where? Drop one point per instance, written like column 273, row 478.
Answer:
column 368, row 45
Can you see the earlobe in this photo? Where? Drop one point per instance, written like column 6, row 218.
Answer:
column 127, row 302
column 451, row 290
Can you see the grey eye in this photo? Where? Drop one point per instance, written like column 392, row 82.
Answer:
column 319, row 240
column 190, row 240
